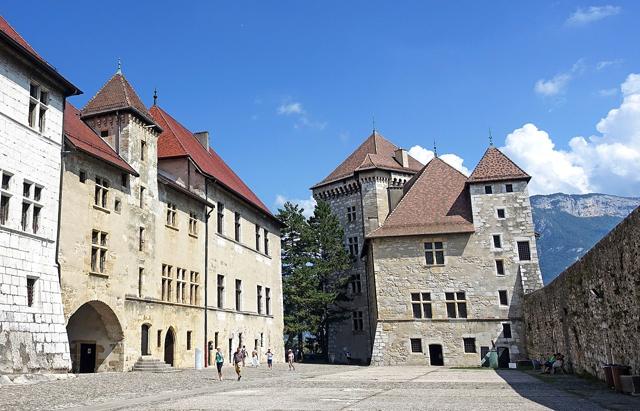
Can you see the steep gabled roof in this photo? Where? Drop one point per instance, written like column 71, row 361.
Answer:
column 20, row 44
column 436, row 202
column 83, row 138
column 177, row 141
column 374, row 152
column 116, row 94
column 495, row 166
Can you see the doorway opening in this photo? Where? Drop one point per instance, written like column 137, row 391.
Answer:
column 503, row 357
column 144, row 339
column 435, row 355
column 169, row 346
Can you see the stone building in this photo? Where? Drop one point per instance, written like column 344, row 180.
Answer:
column 32, row 98
column 163, row 248
column 446, row 258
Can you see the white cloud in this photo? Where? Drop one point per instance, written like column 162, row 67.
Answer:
column 303, row 120
column 288, row 109
column 558, row 84
column 307, row 205
column 582, row 17
column 608, row 92
column 601, row 65
column 608, row 162
column 424, row 155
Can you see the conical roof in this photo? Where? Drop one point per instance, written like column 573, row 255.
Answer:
column 495, row 166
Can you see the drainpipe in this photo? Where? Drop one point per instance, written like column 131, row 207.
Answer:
column 118, row 133
column 62, row 154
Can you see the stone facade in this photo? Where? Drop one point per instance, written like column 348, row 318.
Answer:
column 32, row 332
column 590, row 312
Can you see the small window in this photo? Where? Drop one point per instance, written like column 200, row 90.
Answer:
column 36, row 219
column 508, row 188
column 26, row 189
column 356, row 284
column 4, row 209
column 469, row 345
column 141, row 239
column 193, row 223
column 101, row 193
column 488, row 189
column 117, row 205
column 220, row 300
column 31, row 286
column 434, row 253
column 358, row 321
column 104, row 133
column 143, row 150
column 266, row 242
column 24, row 221
column 37, row 193
column 497, row 241
column 140, row 280
column 124, row 180
column 501, row 213
column 353, row 247
column 267, row 295
column 6, row 178
column 142, row 190
column 259, row 299
column 82, row 176
column 238, row 295
column 500, row 267
column 416, row 345
column 238, row 227
column 506, row 330
column 171, row 214
column 188, row 340
column 257, row 237
column 351, row 214
column 220, row 218
column 159, row 342
column 524, row 253
column 502, row 295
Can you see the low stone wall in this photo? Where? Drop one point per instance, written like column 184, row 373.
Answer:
column 591, row 312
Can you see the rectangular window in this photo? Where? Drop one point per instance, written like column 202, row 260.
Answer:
column 193, row 223
column 351, row 214
column 358, row 321
column 469, row 345
column 257, row 237
column 31, row 286
column 140, row 279
column 497, row 241
column 524, row 253
column 181, row 284
column 356, row 284
column 82, row 176
column 104, row 133
column 167, row 279
column 188, row 340
column 117, row 205
column 142, row 190
column 456, row 304
column 98, row 251
column 171, row 214
column 220, row 296
column 508, row 188
column 143, row 150
column 24, row 220
column 26, row 189
column 4, row 209
column 500, row 267
column 501, row 213
column 101, row 192
column 216, row 340
column 194, row 285
column 421, row 305
column 353, row 247
column 37, row 193
column 488, row 189
column 238, row 227
column 238, row 295
column 504, row 299
column 159, row 339
column 141, row 239
column 35, row 226
column 266, row 242
column 6, row 178
column 434, row 253
column 124, row 180
column 220, row 218
column 416, row 345
column 44, row 100
column 38, row 105
column 268, row 300
column 506, row 330
column 259, row 299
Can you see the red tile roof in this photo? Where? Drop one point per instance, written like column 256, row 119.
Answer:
column 374, row 153
column 82, row 137
column 177, row 141
column 116, row 94
column 495, row 166
column 436, row 201
column 9, row 32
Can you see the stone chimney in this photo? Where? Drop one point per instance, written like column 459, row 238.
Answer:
column 402, row 157
column 203, row 138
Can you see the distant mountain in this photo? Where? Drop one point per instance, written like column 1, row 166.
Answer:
column 570, row 224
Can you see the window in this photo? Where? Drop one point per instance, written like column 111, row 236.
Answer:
column 524, row 253
column 351, row 214
column 497, row 241
column 500, row 213
column 31, row 286
column 101, row 192
column 193, row 223
column 266, row 242
column 356, row 284
column 259, row 299
column 167, row 274
column 6, row 178
column 124, row 180
column 26, row 189
column 502, row 295
column 159, row 340
column 261, row 339
column 421, row 305
column 98, row 251
column 82, row 176
column 188, row 340
column 143, row 150
column 181, row 284
column 238, row 227
column 416, row 345
column 238, row 295
column 140, row 278
column 194, row 284
column 268, row 300
column 4, row 209
column 104, row 133
column 508, row 188
column 434, row 253
column 141, row 239
column 37, row 193
column 220, row 291
column 257, row 237
column 38, row 101
column 353, row 246
column 488, row 189
column 35, row 225
column 216, row 339
column 142, row 190
column 469, row 345
column 500, row 267
column 171, row 214
column 117, row 205
column 358, row 321
column 24, row 220
column 456, row 304
column 220, row 218
column 506, row 330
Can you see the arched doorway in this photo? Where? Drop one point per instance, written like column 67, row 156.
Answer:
column 144, row 339
column 169, row 346
column 95, row 339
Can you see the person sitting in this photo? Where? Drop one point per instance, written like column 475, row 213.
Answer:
column 546, row 368
column 558, row 364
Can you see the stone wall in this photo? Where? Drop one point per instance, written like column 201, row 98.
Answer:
column 591, row 312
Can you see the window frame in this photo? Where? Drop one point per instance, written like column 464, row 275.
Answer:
column 503, row 302
column 488, row 189
column 220, row 291
column 357, row 321
column 499, row 265
column 238, row 294
column 353, row 246
column 172, row 215
column 422, row 303
column 467, row 345
column 415, row 346
column 504, row 213
column 528, row 243
column 505, row 327
column 455, row 303
column 431, row 249
column 100, row 251
column 220, row 218
column 493, row 242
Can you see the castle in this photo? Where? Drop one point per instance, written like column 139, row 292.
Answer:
column 441, row 261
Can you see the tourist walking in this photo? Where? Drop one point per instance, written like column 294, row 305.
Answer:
column 219, row 362
column 237, row 360
column 244, row 354
column 290, row 359
column 254, row 359
column 269, row 359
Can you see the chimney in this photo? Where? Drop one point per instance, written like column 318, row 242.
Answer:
column 402, row 157
column 203, row 138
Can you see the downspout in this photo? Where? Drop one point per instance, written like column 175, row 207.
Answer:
column 62, row 154
column 118, row 132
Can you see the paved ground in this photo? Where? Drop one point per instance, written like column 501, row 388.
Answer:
column 321, row 387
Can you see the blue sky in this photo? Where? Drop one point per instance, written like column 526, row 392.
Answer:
column 288, row 89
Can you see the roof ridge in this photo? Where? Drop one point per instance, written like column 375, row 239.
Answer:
column 124, row 88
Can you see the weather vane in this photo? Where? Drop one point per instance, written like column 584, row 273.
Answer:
column 490, row 138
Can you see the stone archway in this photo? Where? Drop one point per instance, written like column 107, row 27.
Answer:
column 169, row 346
column 95, row 339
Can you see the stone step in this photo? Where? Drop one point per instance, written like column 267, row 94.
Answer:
column 150, row 364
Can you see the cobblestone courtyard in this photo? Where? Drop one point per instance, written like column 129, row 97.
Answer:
column 323, row 387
